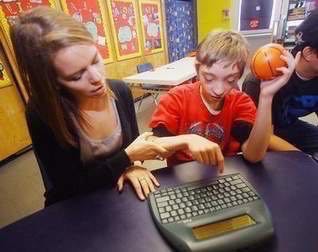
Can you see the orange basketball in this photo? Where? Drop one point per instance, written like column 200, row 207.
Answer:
column 265, row 61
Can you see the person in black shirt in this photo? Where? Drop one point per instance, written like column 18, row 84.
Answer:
column 83, row 128
column 299, row 97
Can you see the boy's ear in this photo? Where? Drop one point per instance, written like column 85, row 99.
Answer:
column 308, row 53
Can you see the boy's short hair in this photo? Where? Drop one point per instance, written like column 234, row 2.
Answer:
column 307, row 33
column 223, row 45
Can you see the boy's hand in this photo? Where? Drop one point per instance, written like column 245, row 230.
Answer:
column 269, row 88
column 205, row 151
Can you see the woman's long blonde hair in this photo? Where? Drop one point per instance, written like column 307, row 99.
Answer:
column 36, row 36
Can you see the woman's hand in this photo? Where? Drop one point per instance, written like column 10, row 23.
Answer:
column 269, row 88
column 141, row 149
column 141, row 179
column 205, row 151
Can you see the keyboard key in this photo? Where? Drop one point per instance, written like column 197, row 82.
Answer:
column 171, row 202
column 180, row 211
column 162, row 199
column 173, row 213
column 194, row 208
column 245, row 189
column 173, row 197
column 240, row 185
column 164, row 215
column 207, row 205
column 175, row 207
column 214, row 198
column 202, row 200
column 188, row 203
column 245, row 195
column 162, row 204
column 161, row 210
column 235, row 182
column 179, row 195
column 187, row 210
column 214, row 203
column 201, row 206
column 228, row 179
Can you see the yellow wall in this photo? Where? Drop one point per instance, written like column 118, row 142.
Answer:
column 210, row 16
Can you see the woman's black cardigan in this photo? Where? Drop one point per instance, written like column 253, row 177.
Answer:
column 62, row 171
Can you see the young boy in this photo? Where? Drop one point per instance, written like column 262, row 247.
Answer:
column 210, row 118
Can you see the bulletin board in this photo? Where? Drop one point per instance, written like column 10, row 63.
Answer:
column 92, row 14
column 152, row 32
column 124, row 20
column 4, row 78
column 9, row 10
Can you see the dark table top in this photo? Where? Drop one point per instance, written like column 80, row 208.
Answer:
column 109, row 221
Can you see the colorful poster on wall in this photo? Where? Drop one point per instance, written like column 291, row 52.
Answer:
column 10, row 9
column 93, row 15
column 123, row 16
column 4, row 78
column 150, row 12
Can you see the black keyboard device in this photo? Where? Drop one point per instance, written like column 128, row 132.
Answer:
column 222, row 214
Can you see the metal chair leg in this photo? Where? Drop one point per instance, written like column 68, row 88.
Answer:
column 154, row 97
column 139, row 105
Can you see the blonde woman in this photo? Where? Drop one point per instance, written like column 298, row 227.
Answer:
column 83, row 128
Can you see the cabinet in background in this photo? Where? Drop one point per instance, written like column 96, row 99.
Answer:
column 297, row 11
column 14, row 135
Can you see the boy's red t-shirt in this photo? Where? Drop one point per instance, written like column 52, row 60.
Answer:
column 182, row 111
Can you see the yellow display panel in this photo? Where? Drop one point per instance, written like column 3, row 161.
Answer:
column 221, row 227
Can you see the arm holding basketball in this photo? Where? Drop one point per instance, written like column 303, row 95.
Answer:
column 270, row 87
column 255, row 147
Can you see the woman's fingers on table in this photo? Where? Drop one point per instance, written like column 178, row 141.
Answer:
column 141, row 179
